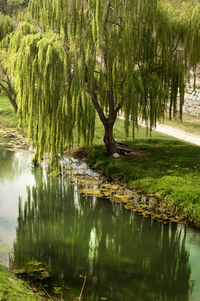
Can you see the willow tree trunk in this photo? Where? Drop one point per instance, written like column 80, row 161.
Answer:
column 109, row 140
column 108, row 122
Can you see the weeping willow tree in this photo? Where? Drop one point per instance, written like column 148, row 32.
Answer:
column 39, row 64
column 51, row 14
column 109, row 57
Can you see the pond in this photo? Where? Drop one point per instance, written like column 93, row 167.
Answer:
column 120, row 255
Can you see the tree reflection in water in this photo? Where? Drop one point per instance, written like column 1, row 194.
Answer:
column 125, row 256
column 10, row 167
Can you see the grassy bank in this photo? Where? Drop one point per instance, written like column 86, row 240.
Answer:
column 159, row 164
column 13, row 289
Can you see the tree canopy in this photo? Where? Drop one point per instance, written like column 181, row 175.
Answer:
column 72, row 59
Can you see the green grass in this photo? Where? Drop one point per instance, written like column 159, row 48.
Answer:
column 164, row 165
column 7, row 116
column 13, row 289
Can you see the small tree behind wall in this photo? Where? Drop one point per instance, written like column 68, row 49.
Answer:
column 6, row 85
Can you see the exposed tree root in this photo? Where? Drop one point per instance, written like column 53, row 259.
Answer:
column 124, row 151
column 121, row 143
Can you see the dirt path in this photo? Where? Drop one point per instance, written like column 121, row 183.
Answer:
column 176, row 133
column 179, row 134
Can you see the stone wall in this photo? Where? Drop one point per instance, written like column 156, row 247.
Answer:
column 192, row 102
column 192, row 98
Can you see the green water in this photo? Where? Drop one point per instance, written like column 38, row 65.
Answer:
column 125, row 257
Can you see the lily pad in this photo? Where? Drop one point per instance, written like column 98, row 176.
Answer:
column 57, row 290
column 92, row 192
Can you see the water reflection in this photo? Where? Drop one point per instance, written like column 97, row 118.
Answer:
column 7, row 164
column 15, row 175
column 125, row 257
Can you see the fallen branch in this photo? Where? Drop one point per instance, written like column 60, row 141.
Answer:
column 47, row 293
column 80, row 297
